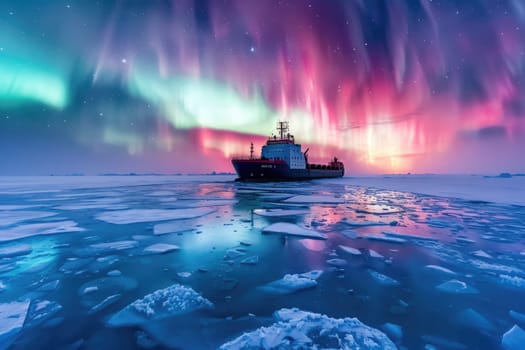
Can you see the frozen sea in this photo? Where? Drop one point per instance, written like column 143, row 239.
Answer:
column 203, row 262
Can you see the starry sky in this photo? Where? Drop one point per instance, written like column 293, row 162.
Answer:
column 181, row 86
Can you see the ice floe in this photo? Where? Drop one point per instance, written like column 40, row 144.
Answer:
column 12, row 318
column 40, row 229
column 350, row 250
column 374, row 254
column 383, row 238
column 383, row 279
column 172, row 227
column 440, row 269
column 162, row 303
column 131, row 216
column 160, row 248
column 337, row 262
column 513, row 339
column 297, row 329
column 15, row 250
column 292, row 283
column 114, row 246
column 13, row 217
column 252, row 260
column 512, row 281
column 456, row 287
column 40, row 311
column 517, row 316
column 394, row 331
column 280, row 212
column 314, row 199
column 470, row 318
column 286, row 228
column 105, row 303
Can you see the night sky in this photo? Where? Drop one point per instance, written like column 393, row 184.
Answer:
column 181, row 86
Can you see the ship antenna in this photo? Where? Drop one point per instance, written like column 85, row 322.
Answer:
column 282, row 127
column 251, row 150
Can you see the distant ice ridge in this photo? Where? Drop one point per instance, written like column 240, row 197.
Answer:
column 297, row 329
column 131, row 216
column 167, row 302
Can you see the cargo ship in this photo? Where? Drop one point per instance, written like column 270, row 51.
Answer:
column 283, row 160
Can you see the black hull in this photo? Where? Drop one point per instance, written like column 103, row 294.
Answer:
column 259, row 170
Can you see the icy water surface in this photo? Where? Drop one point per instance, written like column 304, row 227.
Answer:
column 195, row 264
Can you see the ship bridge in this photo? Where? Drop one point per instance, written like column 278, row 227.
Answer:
column 283, row 147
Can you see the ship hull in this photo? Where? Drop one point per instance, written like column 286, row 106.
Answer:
column 268, row 170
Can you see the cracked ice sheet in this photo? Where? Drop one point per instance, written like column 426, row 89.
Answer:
column 297, row 329
column 40, row 229
column 131, row 216
column 12, row 217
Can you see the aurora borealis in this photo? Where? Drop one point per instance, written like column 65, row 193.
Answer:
column 181, row 86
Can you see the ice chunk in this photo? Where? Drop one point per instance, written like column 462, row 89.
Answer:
column 297, row 329
column 394, row 331
column 234, row 253
column 350, row 250
column 131, row 216
column 160, row 248
column 281, row 212
column 170, row 301
column 73, row 265
column 252, row 260
column 374, row 237
column 286, row 228
column 482, row 254
column 513, row 339
column 293, row 283
column 15, row 250
column 337, row 262
column 517, row 316
column 105, row 303
column 314, row 199
column 96, row 291
column 456, row 287
column 45, row 228
column 512, row 281
column 383, row 279
column 49, row 286
column 114, row 273
column 440, row 269
column 8, row 218
column 184, row 274
column 40, row 311
column 116, row 245
column 374, row 254
column 472, row 319
column 172, row 227
column 495, row 267
column 12, row 318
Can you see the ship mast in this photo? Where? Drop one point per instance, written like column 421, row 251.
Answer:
column 282, row 127
column 251, row 150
